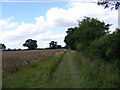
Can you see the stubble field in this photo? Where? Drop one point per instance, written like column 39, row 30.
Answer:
column 14, row 60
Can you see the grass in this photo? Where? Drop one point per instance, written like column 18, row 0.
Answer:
column 33, row 75
column 98, row 73
column 13, row 60
column 66, row 69
column 57, row 71
column 66, row 75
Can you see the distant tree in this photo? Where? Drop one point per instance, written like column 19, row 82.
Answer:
column 59, row 46
column 113, row 4
column 53, row 44
column 2, row 47
column 19, row 49
column 31, row 44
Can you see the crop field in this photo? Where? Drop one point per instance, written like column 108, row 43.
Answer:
column 13, row 60
column 57, row 69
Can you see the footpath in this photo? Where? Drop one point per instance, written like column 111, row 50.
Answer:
column 66, row 75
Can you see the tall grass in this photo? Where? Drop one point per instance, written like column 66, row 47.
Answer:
column 35, row 75
column 12, row 61
column 98, row 73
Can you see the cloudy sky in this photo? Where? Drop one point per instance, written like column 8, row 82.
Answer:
column 47, row 20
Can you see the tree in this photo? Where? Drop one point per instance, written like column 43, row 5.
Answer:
column 114, row 4
column 108, row 47
column 31, row 44
column 71, row 39
column 2, row 47
column 88, row 31
column 53, row 44
column 59, row 46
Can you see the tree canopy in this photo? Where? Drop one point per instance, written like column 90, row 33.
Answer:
column 31, row 44
column 113, row 4
column 2, row 47
column 88, row 30
column 92, row 36
column 53, row 45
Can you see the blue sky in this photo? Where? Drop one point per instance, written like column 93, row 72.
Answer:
column 27, row 11
column 46, row 21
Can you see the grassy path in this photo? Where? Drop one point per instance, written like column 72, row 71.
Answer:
column 66, row 75
column 59, row 71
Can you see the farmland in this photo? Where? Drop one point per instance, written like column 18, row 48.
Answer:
column 13, row 60
column 61, row 69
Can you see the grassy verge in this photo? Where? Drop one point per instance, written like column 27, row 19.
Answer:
column 34, row 75
column 67, row 74
column 97, row 73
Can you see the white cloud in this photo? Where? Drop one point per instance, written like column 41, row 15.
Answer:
column 14, row 34
column 64, row 18
column 38, row 31
column 6, row 24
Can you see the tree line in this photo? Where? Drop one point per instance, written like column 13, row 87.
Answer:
column 93, row 36
column 89, row 33
column 32, row 45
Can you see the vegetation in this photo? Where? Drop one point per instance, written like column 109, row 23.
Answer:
column 65, row 69
column 94, row 63
column 92, row 36
column 53, row 45
column 92, row 39
column 2, row 46
column 97, row 73
column 88, row 31
column 113, row 4
column 34, row 75
column 31, row 44
column 12, row 61
column 108, row 47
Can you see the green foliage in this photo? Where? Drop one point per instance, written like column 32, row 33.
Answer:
column 53, row 45
column 88, row 30
column 31, row 44
column 70, row 39
column 92, row 37
column 108, row 46
column 97, row 73
column 66, row 69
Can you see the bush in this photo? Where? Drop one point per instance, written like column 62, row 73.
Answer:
column 107, row 47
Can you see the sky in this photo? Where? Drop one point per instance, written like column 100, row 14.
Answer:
column 47, row 20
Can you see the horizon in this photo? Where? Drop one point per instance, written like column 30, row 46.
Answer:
column 46, row 21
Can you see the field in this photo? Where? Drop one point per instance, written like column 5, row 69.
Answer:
column 13, row 60
column 58, row 69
